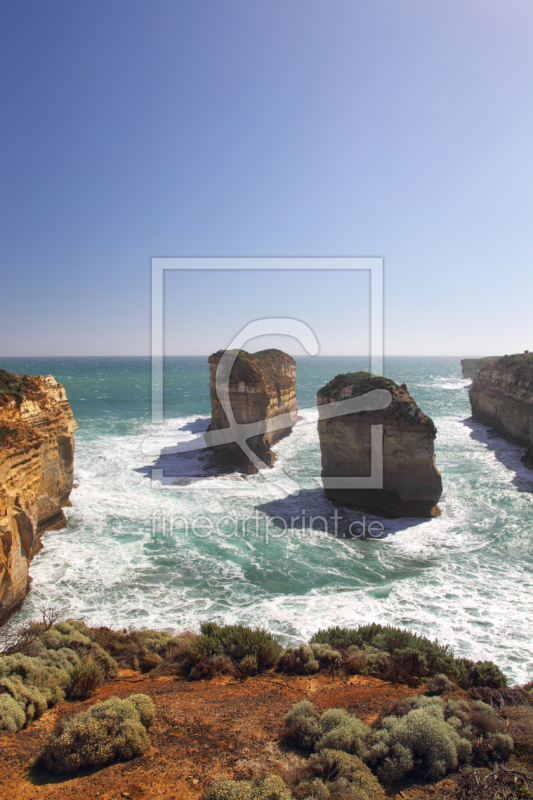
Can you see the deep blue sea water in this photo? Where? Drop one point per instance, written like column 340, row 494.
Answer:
column 464, row 578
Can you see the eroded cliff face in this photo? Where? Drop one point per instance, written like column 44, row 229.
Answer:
column 36, row 473
column 501, row 396
column 471, row 366
column 412, row 484
column 262, row 386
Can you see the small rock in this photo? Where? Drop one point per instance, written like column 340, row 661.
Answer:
column 195, row 781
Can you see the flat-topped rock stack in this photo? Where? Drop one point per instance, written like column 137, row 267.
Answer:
column 36, row 473
column 412, row 484
column 262, row 386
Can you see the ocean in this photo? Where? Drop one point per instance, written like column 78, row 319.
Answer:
column 181, row 545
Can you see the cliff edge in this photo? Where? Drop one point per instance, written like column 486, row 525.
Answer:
column 36, row 472
column 501, row 396
column 412, row 484
column 471, row 366
column 262, row 386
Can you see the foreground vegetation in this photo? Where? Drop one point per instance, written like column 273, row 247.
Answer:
column 461, row 713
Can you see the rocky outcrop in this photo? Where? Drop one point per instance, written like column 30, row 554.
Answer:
column 501, row 396
column 412, row 484
column 262, row 393
column 36, row 473
column 471, row 366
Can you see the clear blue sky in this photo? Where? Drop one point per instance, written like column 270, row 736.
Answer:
column 395, row 128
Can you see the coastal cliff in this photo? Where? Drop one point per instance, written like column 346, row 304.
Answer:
column 36, row 472
column 471, row 366
column 412, row 484
column 262, row 386
column 501, row 396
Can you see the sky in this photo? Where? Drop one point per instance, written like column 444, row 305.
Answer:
column 392, row 128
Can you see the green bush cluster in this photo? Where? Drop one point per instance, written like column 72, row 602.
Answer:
column 251, row 650
column 306, row 659
column 422, row 740
column 114, row 730
column 335, row 729
column 410, row 657
column 333, row 774
column 54, row 664
column 422, row 734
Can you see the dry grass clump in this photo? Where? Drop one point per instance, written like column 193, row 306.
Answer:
column 499, row 784
column 335, row 775
column 519, row 725
column 114, row 730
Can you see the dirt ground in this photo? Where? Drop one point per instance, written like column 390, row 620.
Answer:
column 203, row 729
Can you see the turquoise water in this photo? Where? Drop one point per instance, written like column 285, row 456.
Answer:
column 464, row 578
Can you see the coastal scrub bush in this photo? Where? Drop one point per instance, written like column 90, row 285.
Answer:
column 46, row 662
column 365, row 660
column 306, row 659
column 235, row 642
column 335, row 729
column 268, row 787
column 12, row 717
column 114, row 730
column 411, row 656
column 421, row 740
column 85, row 678
column 301, row 725
column 439, row 684
column 333, row 774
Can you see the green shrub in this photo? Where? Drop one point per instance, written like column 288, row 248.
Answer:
column 236, row 642
column 299, row 660
column 269, row 787
column 207, row 667
column 483, row 673
column 439, row 684
column 366, row 660
column 301, row 725
column 407, row 665
column 342, row 731
column 335, row 729
column 306, row 659
column 85, row 678
column 108, row 732
column 420, row 739
column 488, row 732
column 335, row 771
column 12, row 717
column 411, row 656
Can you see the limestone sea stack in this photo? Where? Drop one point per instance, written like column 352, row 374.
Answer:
column 471, row 366
column 36, row 473
column 262, row 387
column 501, row 396
column 412, row 484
